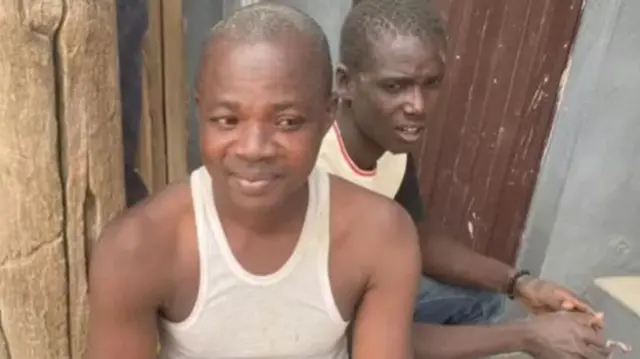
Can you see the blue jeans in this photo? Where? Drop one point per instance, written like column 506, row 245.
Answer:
column 440, row 303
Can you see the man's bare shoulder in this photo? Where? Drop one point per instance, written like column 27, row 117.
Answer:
column 150, row 224
column 374, row 234
column 140, row 245
column 368, row 216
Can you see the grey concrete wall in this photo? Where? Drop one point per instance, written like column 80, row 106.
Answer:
column 584, row 220
column 201, row 15
column 329, row 14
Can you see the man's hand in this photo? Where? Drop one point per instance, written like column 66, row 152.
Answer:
column 565, row 335
column 540, row 296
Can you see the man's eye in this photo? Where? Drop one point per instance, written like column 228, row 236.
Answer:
column 225, row 122
column 289, row 123
column 392, row 87
column 431, row 82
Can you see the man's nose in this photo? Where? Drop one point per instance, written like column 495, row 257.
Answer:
column 415, row 103
column 255, row 142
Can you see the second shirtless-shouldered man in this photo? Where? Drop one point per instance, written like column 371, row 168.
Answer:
column 257, row 255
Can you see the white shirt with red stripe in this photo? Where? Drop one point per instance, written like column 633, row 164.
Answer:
column 385, row 179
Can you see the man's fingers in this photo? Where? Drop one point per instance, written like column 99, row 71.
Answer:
column 574, row 304
column 590, row 322
column 591, row 352
column 583, row 307
column 597, row 322
column 593, row 338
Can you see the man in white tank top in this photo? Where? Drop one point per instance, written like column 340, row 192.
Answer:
column 257, row 255
column 392, row 65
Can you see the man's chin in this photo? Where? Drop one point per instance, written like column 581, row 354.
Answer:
column 401, row 149
column 259, row 203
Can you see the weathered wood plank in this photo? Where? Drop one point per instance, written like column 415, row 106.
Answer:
column 175, row 89
column 33, row 294
column 152, row 150
column 481, row 154
column 4, row 350
column 492, row 140
column 92, row 157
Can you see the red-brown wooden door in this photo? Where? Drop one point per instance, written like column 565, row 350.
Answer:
column 480, row 158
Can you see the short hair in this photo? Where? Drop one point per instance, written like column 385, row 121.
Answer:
column 370, row 19
column 268, row 21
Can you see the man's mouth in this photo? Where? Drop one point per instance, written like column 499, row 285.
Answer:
column 409, row 133
column 253, row 185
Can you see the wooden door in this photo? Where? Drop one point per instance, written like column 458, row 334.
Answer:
column 480, row 158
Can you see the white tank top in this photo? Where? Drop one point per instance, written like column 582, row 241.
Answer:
column 290, row 313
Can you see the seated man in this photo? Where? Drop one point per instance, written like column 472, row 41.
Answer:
column 258, row 255
column 392, row 64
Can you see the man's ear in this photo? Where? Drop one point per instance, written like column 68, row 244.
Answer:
column 344, row 85
column 332, row 109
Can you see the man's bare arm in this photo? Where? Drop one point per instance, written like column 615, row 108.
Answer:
column 450, row 261
column 122, row 296
column 384, row 319
column 551, row 335
column 468, row 341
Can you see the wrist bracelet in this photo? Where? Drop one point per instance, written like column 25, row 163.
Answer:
column 511, row 287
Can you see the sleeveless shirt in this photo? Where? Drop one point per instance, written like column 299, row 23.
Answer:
column 290, row 313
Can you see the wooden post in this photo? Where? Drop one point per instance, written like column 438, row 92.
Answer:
column 152, row 151
column 61, row 167
column 176, row 100
column 162, row 156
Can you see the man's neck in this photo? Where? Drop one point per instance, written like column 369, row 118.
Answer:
column 362, row 150
column 264, row 221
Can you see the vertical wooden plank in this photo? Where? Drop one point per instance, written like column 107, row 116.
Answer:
column 33, row 273
column 491, row 55
column 427, row 159
column 466, row 53
column 487, row 140
column 175, row 89
column 152, row 153
column 91, row 146
column 497, row 131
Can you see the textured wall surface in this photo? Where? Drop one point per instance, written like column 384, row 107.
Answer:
column 61, row 167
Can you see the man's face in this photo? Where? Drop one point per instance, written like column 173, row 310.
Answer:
column 263, row 114
column 396, row 90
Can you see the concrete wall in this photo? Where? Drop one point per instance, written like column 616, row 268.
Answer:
column 584, row 220
column 329, row 14
column 202, row 15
